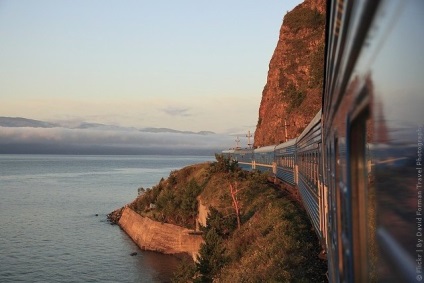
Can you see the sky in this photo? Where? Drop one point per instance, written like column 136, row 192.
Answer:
column 186, row 65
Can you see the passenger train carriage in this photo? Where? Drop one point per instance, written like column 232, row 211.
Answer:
column 358, row 165
column 285, row 155
column 244, row 157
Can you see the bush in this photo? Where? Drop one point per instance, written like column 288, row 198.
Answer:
column 223, row 164
column 301, row 17
column 211, row 256
column 317, row 66
column 179, row 205
column 185, row 272
column 293, row 97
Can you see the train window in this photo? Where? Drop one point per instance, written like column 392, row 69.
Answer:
column 313, row 167
column 310, row 167
column 363, row 200
column 331, row 195
column 339, row 206
column 313, row 171
column 316, row 169
column 307, row 166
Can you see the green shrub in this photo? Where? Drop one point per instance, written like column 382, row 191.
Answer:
column 301, row 17
column 211, row 256
column 178, row 205
column 317, row 67
column 185, row 272
column 223, row 164
column 293, row 96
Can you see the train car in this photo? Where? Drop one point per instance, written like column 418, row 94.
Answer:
column 285, row 158
column 229, row 153
column 373, row 139
column 244, row 158
column 308, row 160
column 358, row 164
column 264, row 159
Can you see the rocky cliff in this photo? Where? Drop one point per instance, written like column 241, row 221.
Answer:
column 156, row 236
column 292, row 94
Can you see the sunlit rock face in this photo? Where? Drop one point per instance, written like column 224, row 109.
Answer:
column 292, row 94
column 156, row 236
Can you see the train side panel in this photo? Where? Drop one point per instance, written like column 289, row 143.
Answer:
column 285, row 159
column 308, row 154
column 265, row 159
column 244, row 158
column 373, row 126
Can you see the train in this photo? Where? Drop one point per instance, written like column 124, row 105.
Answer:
column 357, row 166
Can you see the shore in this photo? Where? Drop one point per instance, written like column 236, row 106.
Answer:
column 156, row 236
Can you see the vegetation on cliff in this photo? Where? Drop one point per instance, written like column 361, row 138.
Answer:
column 275, row 241
column 174, row 200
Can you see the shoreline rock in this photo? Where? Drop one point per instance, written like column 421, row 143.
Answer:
column 157, row 236
column 114, row 216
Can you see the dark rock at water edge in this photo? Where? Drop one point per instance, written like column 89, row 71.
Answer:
column 114, row 216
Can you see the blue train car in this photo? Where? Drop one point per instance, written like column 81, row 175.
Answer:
column 373, row 131
column 265, row 159
column 358, row 164
column 244, row 157
column 308, row 154
column 229, row 153
column 285, row 158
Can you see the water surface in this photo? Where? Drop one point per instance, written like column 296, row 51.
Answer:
column 49, row 231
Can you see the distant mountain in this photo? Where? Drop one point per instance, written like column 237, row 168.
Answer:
column 85, row 125
column 23, row 122
column 166, row 130
column 98, row 126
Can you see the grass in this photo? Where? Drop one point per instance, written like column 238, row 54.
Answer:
column 275, row 242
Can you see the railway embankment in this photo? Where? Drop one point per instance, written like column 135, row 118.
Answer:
column 268, row 237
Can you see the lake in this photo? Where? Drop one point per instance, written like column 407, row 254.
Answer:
column 49, row 231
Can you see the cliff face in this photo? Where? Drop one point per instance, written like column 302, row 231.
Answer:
column 156, row 236
column 292, row 94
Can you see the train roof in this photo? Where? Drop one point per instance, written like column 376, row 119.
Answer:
column 265, row 148
column 243, row 150
column 286, row 144
column 314, row 121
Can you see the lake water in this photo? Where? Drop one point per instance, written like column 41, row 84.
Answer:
column 49, row 231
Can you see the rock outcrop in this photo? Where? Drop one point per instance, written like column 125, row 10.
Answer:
column 203, row 213
column 292, row 94
column 156, row 236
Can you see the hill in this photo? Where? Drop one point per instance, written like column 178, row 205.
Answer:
column 274, row 241
column 23, row 122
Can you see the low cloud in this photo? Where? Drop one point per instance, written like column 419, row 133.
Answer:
column 91, row 141
column 177, row 111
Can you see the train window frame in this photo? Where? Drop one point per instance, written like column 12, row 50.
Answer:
column 358, row 183
column 339, row 206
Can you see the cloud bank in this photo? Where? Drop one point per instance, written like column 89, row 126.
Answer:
column 29, row 140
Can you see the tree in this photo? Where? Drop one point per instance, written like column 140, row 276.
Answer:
column 211, row 256
column 236, row 204
column 224, row 164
